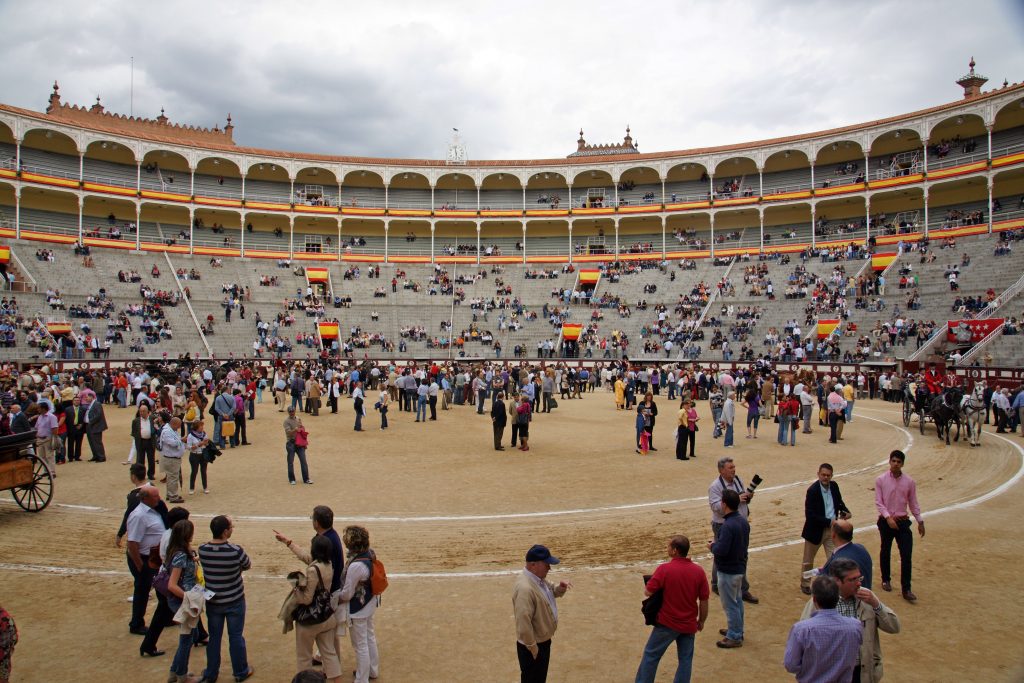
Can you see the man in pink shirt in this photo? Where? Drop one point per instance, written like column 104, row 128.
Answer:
column 895, row 493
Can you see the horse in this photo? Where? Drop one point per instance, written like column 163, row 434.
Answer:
column 945, row 410
column 972, row 411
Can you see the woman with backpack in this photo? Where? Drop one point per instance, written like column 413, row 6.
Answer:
column 358, row 591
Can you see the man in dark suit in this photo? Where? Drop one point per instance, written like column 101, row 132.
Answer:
column 95, row 425
column 19, row 421
column 822, row 506
column 75, row 421
column 842, row 537
column 499, row 418
column 145, row 433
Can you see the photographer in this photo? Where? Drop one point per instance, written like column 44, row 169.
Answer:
column 729, row 480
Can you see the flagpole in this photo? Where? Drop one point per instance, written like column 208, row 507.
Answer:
column 131, row 103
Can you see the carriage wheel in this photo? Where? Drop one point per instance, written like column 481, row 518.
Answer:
column 920, row 421
column 907, row 412
column 36, row 495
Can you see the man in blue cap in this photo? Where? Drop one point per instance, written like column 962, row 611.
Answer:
column 533, row 600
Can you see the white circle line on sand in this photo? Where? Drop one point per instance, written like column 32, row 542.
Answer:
column 74, row 571
column 999, row 490
column 518, row 515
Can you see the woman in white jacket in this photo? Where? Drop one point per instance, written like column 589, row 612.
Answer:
column 362, row 603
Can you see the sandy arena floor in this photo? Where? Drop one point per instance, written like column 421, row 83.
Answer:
column 452, row 519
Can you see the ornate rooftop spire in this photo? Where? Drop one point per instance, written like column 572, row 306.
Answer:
column 971, row 82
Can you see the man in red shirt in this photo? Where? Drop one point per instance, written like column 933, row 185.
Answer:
column 933, row 380
column 684, row 610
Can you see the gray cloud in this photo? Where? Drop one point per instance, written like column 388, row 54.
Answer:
column 519, row 80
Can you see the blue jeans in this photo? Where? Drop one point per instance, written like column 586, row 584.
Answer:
column 216, row 614
column 421, row 408
column 292, row 450
column 661, row 637
column 730, row 590
column 179, row 665
column 849, row 411
column 728, row 435
column 784, row 424
column 218, row 438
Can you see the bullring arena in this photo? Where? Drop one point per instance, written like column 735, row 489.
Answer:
column 736, row 243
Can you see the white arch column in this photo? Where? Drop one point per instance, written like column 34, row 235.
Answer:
column 477, row 223
column 925, row 211
column 138, row 176
column 387, row 227
column 711, row 242
column 570, row 242
column 81, row 167
column 812, row 177
column 81, row 202
column 138, row 225
column 192, row 182
column 191, row 229
column 17, row 215
column 867, row 214
column 814, row 224
column 664, row 220
column 616, row 220
column 291, row 236
column 432, row 228
column 760, row 217
column 524, row 238
column 337, row 244
column 991, row 181
column 241, row 241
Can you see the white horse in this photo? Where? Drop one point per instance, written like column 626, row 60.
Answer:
column 972, row 410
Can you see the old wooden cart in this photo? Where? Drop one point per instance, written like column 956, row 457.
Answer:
column 24, row 473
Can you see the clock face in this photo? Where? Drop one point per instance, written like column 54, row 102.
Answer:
column 456, row 153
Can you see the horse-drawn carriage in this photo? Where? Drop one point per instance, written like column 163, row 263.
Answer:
column 945, row 409
column 24, row 473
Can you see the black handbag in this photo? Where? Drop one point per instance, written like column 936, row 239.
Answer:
column 319, row 609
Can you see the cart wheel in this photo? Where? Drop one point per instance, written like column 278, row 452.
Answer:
column 36, row 495
column 920, row 421
column 907, row 412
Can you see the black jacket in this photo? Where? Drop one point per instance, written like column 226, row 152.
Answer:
column 814, row 511
column 498, row 413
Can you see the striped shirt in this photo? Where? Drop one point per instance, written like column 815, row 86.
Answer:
column 223, row 564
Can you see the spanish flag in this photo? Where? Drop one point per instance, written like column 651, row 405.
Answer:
column 316, row 274
column 5, row 254
column 589, row 277
column 58, row 328
column 880, row 262
column 571, row 331
column 328, row 330
column 827, row 327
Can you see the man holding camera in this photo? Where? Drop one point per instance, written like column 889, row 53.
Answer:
column 730, row 551
column 728, row 481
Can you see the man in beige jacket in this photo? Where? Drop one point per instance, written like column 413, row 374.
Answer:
column 533, row 600
column 864, row 605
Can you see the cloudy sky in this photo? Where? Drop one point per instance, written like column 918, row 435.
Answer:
column 519, row 79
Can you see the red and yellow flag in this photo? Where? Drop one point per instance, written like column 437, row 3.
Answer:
column 589, row 276
column 880, row 262
column 827, row 327
column 328, row 330
column 316, row 274
column 571, row 331
column 58, row 328
column 5, row 254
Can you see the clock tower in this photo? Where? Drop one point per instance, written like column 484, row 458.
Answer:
column 456, row 150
